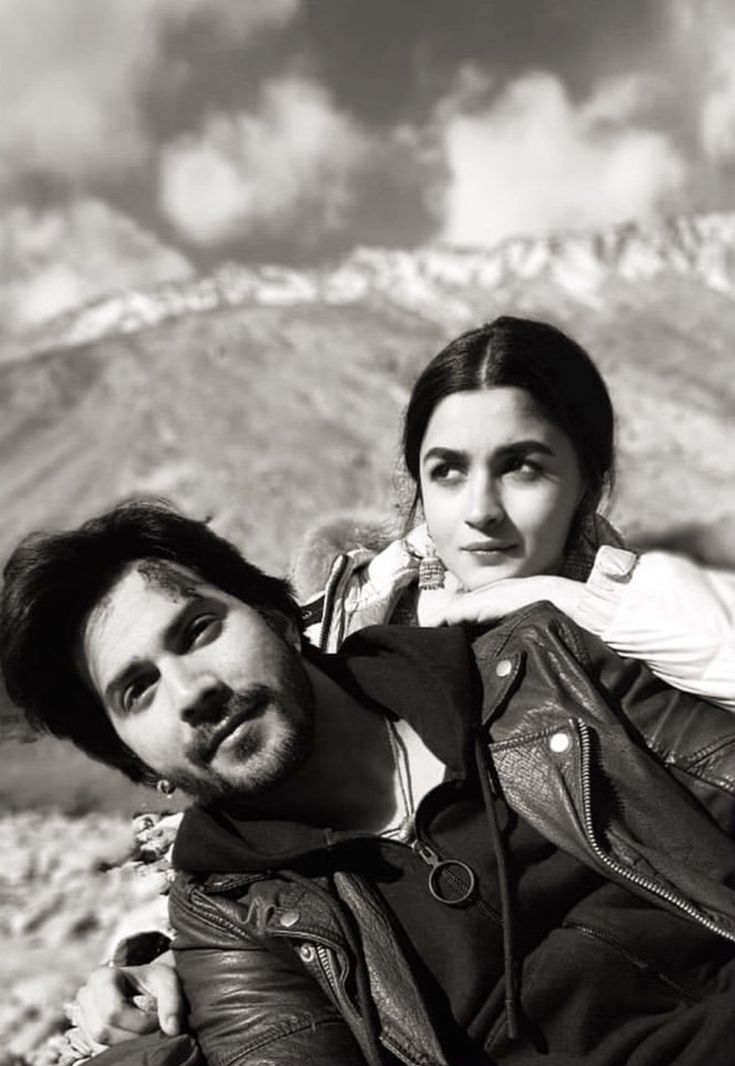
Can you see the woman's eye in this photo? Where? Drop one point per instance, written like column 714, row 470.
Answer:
column 445, row 473
column 526, row 470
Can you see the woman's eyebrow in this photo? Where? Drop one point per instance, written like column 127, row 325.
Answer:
column 439, row 452
column 523, row 447
column 517, row 447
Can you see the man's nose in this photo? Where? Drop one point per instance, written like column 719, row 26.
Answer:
column 200, row 696
column 484, row 506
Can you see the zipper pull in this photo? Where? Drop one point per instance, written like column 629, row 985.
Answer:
column 447, row 873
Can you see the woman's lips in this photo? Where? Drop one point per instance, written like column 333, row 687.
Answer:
column 487, row 548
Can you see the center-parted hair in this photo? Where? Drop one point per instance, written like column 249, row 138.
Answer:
column 537, row 357
column 53, row 580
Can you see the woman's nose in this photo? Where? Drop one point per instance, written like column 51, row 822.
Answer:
column 484, row 506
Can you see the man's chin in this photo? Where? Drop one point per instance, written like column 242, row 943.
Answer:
column 259, row 761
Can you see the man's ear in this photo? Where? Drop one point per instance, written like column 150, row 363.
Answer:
column 285, row 626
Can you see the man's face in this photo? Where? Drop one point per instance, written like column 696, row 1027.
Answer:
column 197, row 683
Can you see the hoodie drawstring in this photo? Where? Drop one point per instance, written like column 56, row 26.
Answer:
column 506, row 911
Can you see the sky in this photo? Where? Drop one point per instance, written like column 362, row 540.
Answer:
column 148, row 138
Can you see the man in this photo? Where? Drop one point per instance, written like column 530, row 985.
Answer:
column 422, row 849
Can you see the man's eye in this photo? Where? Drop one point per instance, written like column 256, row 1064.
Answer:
column 202, row 628
column 136, row 691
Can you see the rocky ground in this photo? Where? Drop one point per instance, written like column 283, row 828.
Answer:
column 64, row 889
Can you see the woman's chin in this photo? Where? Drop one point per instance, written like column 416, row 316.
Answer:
column 487, row 571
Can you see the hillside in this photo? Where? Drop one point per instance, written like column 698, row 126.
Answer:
column 267, row 398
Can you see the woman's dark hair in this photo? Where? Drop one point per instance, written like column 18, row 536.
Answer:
column 528, row 355
column 53, row 580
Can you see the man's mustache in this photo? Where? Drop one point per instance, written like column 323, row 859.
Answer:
column 235, row 708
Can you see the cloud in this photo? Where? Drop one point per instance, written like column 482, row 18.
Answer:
column 701, row 36
column 535, row 161
column 717, row 111
column 288, row 165
column 73, row 74
column 55, row 259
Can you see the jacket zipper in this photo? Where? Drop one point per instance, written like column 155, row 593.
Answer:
column 338, row 568
column 612, row 864
column 327, row 964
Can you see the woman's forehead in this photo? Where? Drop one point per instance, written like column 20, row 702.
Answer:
column 493, row 415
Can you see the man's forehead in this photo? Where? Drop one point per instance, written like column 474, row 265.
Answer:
column 136, row 609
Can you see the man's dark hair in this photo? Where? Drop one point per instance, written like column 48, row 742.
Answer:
column 52, row 581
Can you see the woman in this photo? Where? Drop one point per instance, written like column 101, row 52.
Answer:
column 509, row 441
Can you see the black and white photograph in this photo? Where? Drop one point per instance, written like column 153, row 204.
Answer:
column 367, row 469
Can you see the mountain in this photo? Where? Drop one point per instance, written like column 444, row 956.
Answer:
column 441, row 284
column 55, row 258
column 268, row 397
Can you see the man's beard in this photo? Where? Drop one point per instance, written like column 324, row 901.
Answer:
column 262, row 766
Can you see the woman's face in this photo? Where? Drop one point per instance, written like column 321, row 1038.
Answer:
column 500, row 485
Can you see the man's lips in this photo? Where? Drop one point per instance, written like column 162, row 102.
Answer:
column 235, row 720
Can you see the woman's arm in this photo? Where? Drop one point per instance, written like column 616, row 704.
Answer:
column 659, row 608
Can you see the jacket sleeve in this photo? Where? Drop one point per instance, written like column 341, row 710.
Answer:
column 667, row 611
column 250, row 1000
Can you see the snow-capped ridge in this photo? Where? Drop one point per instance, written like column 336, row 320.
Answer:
column 434, row 281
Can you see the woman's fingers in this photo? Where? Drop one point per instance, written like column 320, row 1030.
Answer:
column 491, row 602
column 118, row 1003
column 162, row 984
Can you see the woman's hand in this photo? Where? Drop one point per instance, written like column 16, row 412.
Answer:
column 491, row 602
column 120, row 1002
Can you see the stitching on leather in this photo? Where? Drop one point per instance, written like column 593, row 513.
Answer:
column 520, row 739
column 712, row 749
column 309, row 1023
column 689, row 764
column 212, row 915
column 566, row 629
column 215, row 918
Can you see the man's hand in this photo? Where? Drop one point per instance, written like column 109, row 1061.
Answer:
column 491, row 602
column 120, row 1002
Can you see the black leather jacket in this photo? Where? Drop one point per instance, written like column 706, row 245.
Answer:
column 590, row 749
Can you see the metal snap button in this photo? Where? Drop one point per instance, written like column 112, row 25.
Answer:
column 503, row 668
column 289, row 918
column 307, row 952
column 560, row 742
